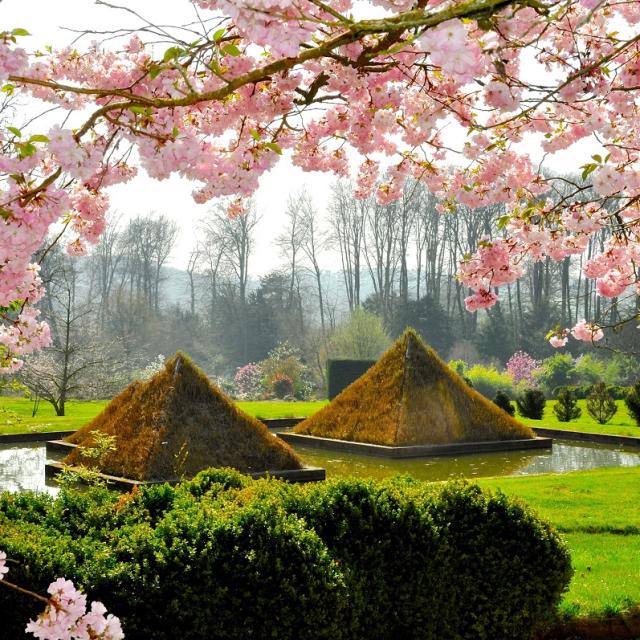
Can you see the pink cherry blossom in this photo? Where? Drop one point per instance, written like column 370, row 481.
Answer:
column 481, row 299
column 66, row 616
column 587, row 332
column 558, row 341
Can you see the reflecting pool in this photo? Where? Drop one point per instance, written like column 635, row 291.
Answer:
column 22, row 465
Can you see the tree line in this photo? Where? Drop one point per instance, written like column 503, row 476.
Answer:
column 395, row 262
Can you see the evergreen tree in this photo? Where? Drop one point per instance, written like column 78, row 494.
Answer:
column 566, row 407
column 632, row 401
column 531, row 404
column 502, row 400
column 600, row 405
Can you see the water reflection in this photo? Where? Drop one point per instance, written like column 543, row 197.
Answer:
column 22, row 466
column 565, row 456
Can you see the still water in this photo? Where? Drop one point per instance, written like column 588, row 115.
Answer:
column 22, row 465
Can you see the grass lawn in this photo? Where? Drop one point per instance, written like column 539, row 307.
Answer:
column 272, row 409
column 15, row 413
column 598, row 513
column 622, row 424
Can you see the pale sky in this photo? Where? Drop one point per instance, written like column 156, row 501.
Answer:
column 44, row 19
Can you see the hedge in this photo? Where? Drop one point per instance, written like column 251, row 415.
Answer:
column 222, row 556
column 582, row 391
column 341, row 373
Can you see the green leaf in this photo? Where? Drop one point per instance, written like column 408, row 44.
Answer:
column 175, row 132
column 5, row 214
column 255, row 135
column 503, row 221
column 230, row 50
column 171, row 53
column 38, row 137
column 155, row 71
column 137, row 109
column 20, row 32
column 597, row 158
column 587, row 169
column 16, row 132
column 219, row 33
column 275, row 147
column 26, row 149
column 8, row 89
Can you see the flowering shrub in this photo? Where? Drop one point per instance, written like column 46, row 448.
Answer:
column 65, row 616
column 248, row 381
column 285, row 361
column 521, row 367
column 282, row 385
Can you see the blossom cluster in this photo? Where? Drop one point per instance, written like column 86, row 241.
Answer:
column 66, row 616
column 248, row 381
column 521, row 367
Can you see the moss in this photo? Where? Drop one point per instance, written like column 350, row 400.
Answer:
column 409, row 397
column 178, row 423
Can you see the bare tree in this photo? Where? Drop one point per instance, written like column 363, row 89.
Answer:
column 290, row 244
column 79, row 363
column 237, row 238
column 314, row 241
column 347, row 216
column 192, row 265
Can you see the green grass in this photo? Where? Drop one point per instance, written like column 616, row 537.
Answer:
column 273, row 409
column 15, row 413
column 593, row 510
column 606, row 569
column 622, row 424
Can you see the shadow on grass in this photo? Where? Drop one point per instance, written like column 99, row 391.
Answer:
column 612, row 624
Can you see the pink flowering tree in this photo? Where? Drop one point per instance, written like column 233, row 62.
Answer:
column 521, row 367
column 66, row 616
column 345, row 88
column 248, row 381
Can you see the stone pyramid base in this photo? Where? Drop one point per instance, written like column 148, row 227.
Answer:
column 415, row 451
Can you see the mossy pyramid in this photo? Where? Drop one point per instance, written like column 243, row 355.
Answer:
column 178, row 423
column 411, row 397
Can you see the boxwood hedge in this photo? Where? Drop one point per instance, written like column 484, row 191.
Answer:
column 222, row 556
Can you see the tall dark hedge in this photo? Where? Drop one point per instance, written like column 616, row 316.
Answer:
column 341, row 373
column 222, row 556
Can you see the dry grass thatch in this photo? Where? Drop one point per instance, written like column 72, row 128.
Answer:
column 411, row 397
column 176, row 424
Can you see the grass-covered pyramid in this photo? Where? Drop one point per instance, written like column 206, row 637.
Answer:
column 176, row 424
column 411, row 397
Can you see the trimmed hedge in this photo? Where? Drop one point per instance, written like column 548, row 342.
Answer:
column 582, row 391
column 341, row 373
column 222, row 556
